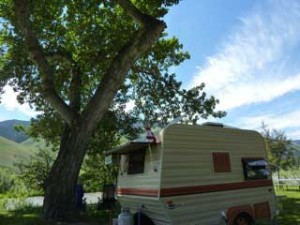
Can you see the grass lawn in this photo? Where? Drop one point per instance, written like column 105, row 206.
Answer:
column 289, row 202
column 25, row 216
column 32, row 216
column 289, row 207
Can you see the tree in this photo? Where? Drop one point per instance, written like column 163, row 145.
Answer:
column 34, row 173
column 278, row 148
column 7, row 180
column 79, row 62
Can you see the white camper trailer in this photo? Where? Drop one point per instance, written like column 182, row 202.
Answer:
column 196, row 174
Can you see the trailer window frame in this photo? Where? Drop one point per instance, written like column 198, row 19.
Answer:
column 136, row 161
column 256, row 169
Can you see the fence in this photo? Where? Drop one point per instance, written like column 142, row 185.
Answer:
column 287, row 184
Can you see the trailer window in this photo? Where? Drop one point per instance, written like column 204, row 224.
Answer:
column 136, row 162
column 255, row 169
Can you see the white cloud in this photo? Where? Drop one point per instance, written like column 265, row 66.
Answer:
column 258, row 91
column 294, row 135
column 289, row 122
column 252, row 65
column 9, row 102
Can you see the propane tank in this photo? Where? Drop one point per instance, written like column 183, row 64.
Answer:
column 125, row 217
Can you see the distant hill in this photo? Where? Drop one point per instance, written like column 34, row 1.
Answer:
column 296, row 142
column 296, row 148
column 34, row 144
column 7, row 130
column 12, row 152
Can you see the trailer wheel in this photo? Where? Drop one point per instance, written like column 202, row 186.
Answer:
column 142, row 219
column 243, row 219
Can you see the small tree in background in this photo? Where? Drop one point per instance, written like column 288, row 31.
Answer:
column 279, row 148
column 7, row 180
column 35, row 172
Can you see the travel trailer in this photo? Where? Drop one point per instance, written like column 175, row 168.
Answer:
column 206, row 174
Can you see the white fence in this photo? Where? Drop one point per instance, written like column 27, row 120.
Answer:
column 286, row 183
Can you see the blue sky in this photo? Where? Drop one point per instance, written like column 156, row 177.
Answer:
column 247, row 54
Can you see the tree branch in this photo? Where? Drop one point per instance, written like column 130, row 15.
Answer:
column 154, row 72
column 37, row 55
column 135, row 13
column 123, row 61
column 75, row 89
column 59, row 55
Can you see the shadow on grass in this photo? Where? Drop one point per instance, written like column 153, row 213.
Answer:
column 290, row 210
column 24, row 216
column 29, row 215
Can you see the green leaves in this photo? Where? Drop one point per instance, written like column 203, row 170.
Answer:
column 157, row 8
column 87, row 35
column 34, row 174
column 80, row 41
column 278, row 148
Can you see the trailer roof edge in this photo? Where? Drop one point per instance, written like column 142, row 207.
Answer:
column 129, row 147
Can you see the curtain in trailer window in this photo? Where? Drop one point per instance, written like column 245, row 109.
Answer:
column 255, row 169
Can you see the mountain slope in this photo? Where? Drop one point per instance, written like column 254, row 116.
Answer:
column 295, row 148
column 11, row 152
column 296, row 142
column 7, row 130
column 34, row 144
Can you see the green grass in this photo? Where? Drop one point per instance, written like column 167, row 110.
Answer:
column 289, row 212
column 289, row 206
column 33, row 216
column 26, row 216
column 11, row 152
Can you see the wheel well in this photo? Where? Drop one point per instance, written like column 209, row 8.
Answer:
column 234, row 212
column 244, row 214
column 140, row 218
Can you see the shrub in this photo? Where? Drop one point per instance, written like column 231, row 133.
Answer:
column 7, row 180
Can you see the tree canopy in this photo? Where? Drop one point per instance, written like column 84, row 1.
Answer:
column 81, row 63
column 279, row 148
column 70, row 47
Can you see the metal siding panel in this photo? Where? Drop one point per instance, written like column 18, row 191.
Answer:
column 187, row 154
column 205, row 209
column 199, row 209
column 150, row 178
column 152, row 207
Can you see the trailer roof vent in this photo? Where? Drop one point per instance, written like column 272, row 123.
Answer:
column 212, row 124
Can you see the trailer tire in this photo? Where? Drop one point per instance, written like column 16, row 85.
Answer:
column 144, row 220
column 243, row 219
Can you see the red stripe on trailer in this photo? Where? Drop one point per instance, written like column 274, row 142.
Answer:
column 168, row 192
column 137, row 191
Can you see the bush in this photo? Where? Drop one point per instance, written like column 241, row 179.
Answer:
column 7, row 180
column 35, row 172
column 94, row 173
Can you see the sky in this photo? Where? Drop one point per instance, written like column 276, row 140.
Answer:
column 247, row 54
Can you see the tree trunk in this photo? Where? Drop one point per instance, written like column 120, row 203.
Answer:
column 60, row 198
